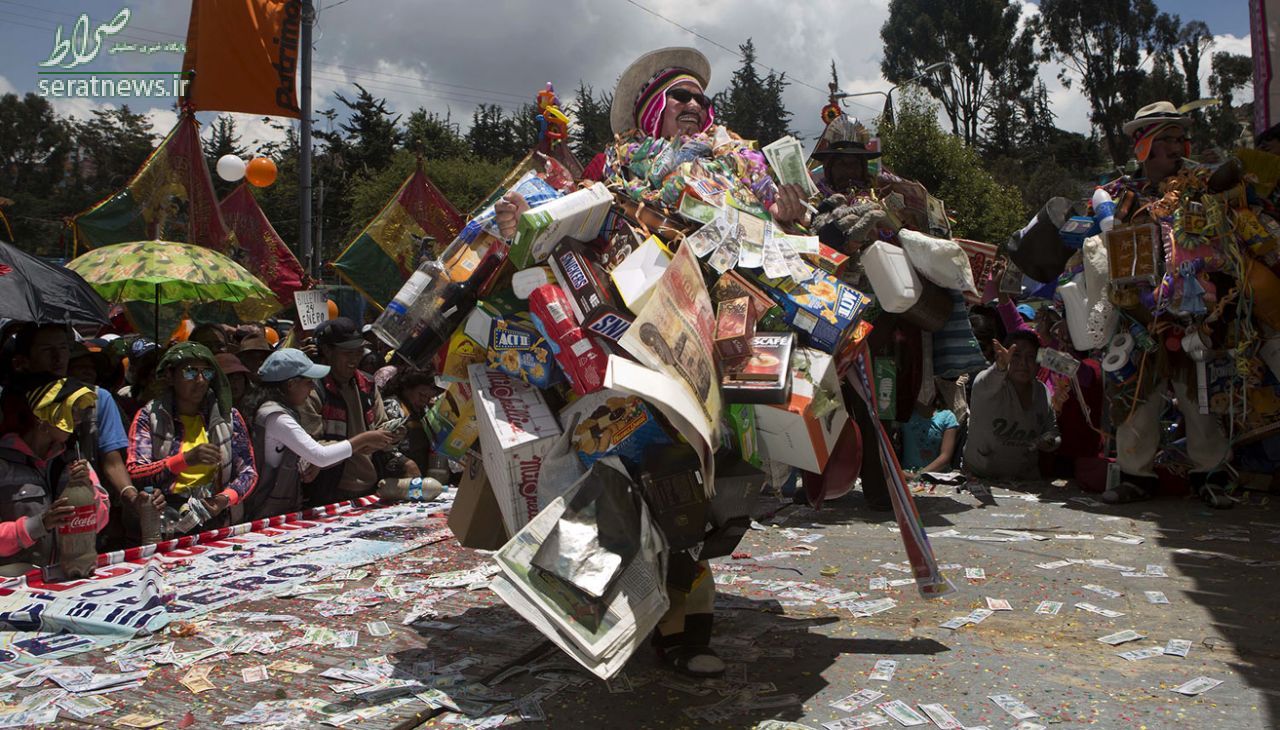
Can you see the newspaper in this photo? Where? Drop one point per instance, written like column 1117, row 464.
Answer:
column 674, row 333
column 625, row 615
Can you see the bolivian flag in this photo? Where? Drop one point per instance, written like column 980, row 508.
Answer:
column 385, row 253
column 171, row 191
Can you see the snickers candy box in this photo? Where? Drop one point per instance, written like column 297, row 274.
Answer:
column 596, row 305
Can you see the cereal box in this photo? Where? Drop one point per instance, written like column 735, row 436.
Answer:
column 519, row 350
column 823, row 307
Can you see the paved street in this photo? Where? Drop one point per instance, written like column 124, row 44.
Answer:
column 791, row 656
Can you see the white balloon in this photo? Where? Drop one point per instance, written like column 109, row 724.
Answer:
column 230, row 168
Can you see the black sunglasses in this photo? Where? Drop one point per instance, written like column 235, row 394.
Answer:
column 684, row 96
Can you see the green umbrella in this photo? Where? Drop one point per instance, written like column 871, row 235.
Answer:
column 162, row 273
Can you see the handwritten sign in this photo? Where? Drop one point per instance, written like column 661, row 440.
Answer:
column 313, row 308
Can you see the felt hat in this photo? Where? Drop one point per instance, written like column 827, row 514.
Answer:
column 639, row 75
column 1161, row 112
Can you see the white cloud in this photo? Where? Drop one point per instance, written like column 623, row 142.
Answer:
column 6, row 87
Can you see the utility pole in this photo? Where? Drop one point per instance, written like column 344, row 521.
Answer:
column 310, row 261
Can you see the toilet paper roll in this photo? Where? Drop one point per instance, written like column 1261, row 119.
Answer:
column 1118, row 366
column 1122, row 342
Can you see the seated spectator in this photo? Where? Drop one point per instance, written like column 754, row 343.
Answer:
column 237, row 377
column 252, row 353
column 929, row 437
column 212, row 336
column 40, row 417
column 344, row 403
column 407, row 395
column 1010, row 417
column 190, row 443
column 285, row 451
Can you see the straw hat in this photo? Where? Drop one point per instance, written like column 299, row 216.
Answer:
column 1157, row 113
column 622, row 116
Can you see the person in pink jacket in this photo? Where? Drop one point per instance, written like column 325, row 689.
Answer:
column 40, row 416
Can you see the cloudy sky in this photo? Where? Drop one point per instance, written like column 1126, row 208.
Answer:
column 449, row 55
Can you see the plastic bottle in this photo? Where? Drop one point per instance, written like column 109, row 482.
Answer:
column 148, row 517
column 1104, row 210
column 77, row 538
column 415, row 489
column 894, row 281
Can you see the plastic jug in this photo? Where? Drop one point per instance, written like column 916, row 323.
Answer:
column 895, row 283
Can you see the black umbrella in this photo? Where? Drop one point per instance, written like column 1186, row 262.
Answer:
column 34, row 291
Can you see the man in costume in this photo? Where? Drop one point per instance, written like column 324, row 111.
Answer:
column 1159, row 135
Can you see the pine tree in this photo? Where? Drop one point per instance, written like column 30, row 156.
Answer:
column 491, row 136
column 590, row 131
column 372, row 132
column 430, row 136
column 223, row 139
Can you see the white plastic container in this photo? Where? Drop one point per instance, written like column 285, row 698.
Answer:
column 1076, row 309
column 896, row 284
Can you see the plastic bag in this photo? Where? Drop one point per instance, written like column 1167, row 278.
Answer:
column 939, row 260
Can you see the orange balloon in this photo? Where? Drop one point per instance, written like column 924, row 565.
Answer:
column 333, row 309
column 273, row 337
column 260, row 172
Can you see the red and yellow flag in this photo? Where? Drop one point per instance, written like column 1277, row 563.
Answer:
column 242, row 56
column 262, row 251
column 385, row 253
column 171, row 191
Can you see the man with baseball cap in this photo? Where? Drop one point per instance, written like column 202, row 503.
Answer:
column 342, row 405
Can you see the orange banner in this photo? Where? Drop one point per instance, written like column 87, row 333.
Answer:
column 243, row 56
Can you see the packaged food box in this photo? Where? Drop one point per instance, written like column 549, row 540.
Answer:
column 732, row 285
column 591, row 294
column 577, row 215
column 451, row 420
column 609, row 423
column 735, row 326
column 803, row 432
column 764, row 376
column 519, row 350
column 823, row 307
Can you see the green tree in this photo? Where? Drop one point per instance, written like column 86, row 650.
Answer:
column 1230, row 72
column 752, row 105
column 431, row 136
column 371, row 133
column 110, row 147
column 1100, row 44
column 992, row 61
column 1194, row 39
column 279, row 201
column 33, row 161
column 590, row 131
column 491, row 136
column 916, row 147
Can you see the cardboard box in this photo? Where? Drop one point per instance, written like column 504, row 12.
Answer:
column 735, row 326
column 577, row 215
column 595, row 302
column 828, row 259
column 803, row 432
column 475, row 518
column 732, row 285
column 824, row 308
column 517, row 428
column 635, row 276
column 610, row 422
column 462, row 353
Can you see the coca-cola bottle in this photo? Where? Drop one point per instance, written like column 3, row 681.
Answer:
column 77, row 537
column 444, row 310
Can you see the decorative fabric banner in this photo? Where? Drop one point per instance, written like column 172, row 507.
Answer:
column 264, row 253
column 385, row 253
column 172, row 190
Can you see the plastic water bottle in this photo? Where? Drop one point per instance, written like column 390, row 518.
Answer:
column 77, row 538
column 415, row 489
column 1104, row 209
column 148, row 517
